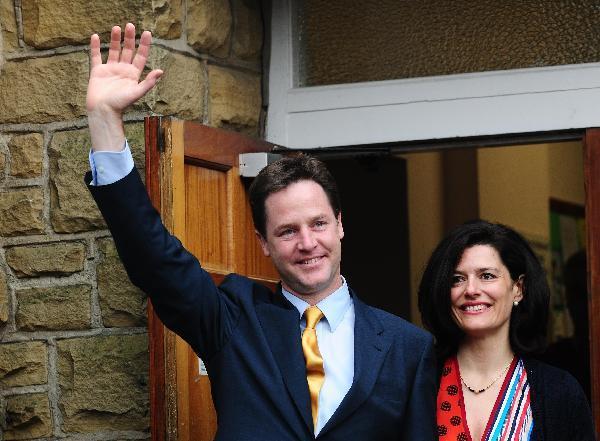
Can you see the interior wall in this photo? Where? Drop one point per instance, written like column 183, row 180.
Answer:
column 461, row 191
column 514, row 185
column 566, row 172
column 425, row 215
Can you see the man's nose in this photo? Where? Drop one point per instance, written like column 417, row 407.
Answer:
column 307, row 239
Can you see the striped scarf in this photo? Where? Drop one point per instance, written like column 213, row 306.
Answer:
column 510, row 419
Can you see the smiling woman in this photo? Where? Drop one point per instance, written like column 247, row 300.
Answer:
column 485, row 297
column 483, row 293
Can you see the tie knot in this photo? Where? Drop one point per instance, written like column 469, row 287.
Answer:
column 312, row 314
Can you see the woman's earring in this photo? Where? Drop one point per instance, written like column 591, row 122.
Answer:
column 516, row 303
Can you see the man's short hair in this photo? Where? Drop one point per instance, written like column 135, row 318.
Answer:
column 281, row 174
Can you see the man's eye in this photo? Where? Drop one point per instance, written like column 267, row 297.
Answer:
column 286, row 233
column 320, row 224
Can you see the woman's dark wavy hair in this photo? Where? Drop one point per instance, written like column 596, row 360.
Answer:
column 528, row 321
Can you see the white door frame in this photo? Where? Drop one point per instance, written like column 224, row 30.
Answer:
column 440, row 107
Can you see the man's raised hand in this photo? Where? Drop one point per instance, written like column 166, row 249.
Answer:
column 115, row 85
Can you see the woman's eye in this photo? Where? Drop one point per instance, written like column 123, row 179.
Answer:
column 456, row 279
column 488, row 276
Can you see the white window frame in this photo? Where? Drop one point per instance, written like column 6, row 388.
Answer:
column 440, row 107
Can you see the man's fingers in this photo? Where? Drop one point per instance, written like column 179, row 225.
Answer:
column 149, row 82
column 128, row 44
column 143, row 49
column 143, row 87
column 95, row 58
column 115, row 45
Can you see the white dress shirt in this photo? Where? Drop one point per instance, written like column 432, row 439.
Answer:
column 335, row 337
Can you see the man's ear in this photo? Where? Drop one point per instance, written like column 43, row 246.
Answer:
column 263, row 243
column 340, row 227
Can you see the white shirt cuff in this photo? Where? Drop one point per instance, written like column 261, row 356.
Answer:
column 108, row 167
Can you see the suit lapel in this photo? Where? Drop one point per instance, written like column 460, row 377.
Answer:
column 281, row 325
column 370, row 348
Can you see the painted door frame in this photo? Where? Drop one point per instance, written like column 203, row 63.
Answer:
column 490, row 108
column 442, row 107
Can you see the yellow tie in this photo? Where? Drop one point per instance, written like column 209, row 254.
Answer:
column 314, row 362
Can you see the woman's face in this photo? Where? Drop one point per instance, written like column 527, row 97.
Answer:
column 483, row 292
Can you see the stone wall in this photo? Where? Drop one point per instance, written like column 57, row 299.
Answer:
column 73, row 338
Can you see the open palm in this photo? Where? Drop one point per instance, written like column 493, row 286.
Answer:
column 116, row 85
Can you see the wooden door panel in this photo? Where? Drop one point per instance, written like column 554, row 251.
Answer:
column 206, row 214
column 592, row 218
column 246, row 252
column 195, row 183
column 217, row 148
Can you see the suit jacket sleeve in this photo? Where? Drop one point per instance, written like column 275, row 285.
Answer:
column 420, row 417
column 182, row 293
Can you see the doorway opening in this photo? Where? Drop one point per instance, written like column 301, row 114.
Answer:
column 397, row 207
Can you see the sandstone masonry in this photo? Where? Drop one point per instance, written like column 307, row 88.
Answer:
column 59, row 259
column 73, row 341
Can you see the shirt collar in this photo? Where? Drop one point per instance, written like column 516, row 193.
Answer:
column 334, row 306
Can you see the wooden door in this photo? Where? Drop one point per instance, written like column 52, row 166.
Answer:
column 193, row 179
column 592, row 219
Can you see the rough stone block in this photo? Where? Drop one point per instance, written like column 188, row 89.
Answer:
column 56, row 259
column 41, row 90
column 44, row 28
column 235, row 98
column 209, row 26
column 248, row 34
column 2, row 164
column 3, row 298
column 180, row 91
column 21, row 211
column 23, row 364
column 26, row 155
column 103, row 383
column 28, row 416
column 122, row 304
column 163, row 18
column 72, row 208
column 54, row 308
column 8, row 25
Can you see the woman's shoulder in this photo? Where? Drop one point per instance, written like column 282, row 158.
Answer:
column 550, row 381
column 559, row 400
column 547, row 373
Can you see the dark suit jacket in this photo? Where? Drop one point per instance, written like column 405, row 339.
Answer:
column 249, row 339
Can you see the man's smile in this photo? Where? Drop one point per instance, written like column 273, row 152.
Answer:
column 311, row 261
